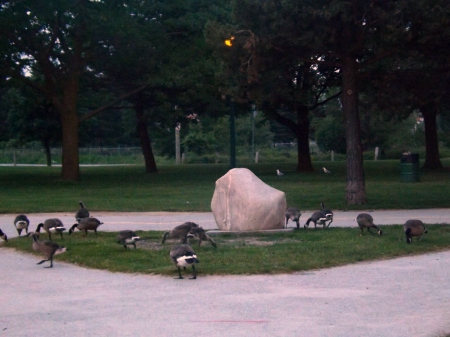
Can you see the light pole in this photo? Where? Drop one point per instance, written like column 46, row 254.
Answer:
column 253, row 129
column 232, row 134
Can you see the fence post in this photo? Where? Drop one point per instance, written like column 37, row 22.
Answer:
column 256, row 157
column 376, row 153
column 14, row 158
column 332, row 155
column 177, row 143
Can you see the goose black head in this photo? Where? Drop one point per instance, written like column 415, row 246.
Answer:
column 3, row 236
column 72, row 228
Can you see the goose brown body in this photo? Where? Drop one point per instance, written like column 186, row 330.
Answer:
column 328, row 213
column 46, row 248
column 179, row 232
column 414, row 228
column 82, row 212
column 127, row 237
column 201, row 235
column 365, row 220
column 317, row 218
column 21, row 222
column 86, row 224
column 183, row 256
column 293, row 214
column 51, row 226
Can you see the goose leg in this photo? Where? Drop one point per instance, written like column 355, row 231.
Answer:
column 51, row 262
column 195, row 274
column 179, row 273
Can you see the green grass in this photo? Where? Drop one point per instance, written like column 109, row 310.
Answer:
column 247, row 253
column 190, row 187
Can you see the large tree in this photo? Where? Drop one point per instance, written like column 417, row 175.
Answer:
column 57, row 41
column 351, row 36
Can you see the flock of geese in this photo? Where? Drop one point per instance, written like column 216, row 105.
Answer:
column 181, row 255
column 412, row 228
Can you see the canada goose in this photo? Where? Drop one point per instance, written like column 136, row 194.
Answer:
column 325, row 170
column 200, row 233
column 279, row 173
column 318, row 218
column 51, row 226
column 47, row 248
column 127, row 237
column 3, row 236
column 414, row 228
column 82, row 212
column 293, row 214
column 183, row 256
column 86, row 224
column 21, row 222
column 365, row 220
column 179, row 232
column 328, row 213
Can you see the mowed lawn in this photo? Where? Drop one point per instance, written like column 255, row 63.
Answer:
column 244, row 253
column 190, row 187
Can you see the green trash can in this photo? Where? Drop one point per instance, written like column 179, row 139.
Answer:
column 409, row 168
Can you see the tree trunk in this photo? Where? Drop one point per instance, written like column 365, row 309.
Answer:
column 304, row 163
column 432, row 160
column 356, row 190
column 141, row 126
column 69, row 127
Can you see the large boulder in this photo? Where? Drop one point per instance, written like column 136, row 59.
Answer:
column 243, row 202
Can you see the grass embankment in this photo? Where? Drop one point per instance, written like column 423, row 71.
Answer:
column 246, row 253
column 190, row 187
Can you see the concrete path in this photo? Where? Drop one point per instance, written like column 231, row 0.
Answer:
column 407, row 296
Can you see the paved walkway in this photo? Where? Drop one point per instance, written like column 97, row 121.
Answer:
column 408, row 296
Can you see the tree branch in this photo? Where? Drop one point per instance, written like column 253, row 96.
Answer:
column 108, row 105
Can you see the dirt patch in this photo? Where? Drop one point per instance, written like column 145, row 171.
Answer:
column 238, row 242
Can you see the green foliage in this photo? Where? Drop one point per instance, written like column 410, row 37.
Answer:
column 247, row 253
column 330, row 135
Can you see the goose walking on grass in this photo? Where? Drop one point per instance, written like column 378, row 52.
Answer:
column 21, row 222
column 318, row 218
column 86, row 224
column 82, row 212
column 201, row 235
column 3, row 236
column 184, row 256
column 46, row 248
column 365, row 220
column 127, row 237
column 414, row 228
column 279, row 173
column 51, row 226
column 179, row 232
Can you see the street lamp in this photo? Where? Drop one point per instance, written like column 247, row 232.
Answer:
column 253, row 129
